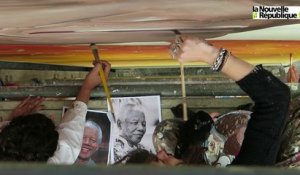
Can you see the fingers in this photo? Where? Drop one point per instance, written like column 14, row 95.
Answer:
column 93, row 78
column 106, row 66
column 175, row 47
column 293, row 76
column 94, row 72
column 27, row 106
column 36, row 104
column 103, row 63
column 24, row 102
column 182, row 44
column 178, row 40
column 96, row 64
column 174, row 50
column 32, row 104
column 192, row 49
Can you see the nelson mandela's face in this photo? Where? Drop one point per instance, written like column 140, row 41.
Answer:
column 134, row 127
column 89, row 143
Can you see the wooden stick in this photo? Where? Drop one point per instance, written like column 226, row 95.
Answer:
column 103, row 79
column 184, row 101
column 291, row 59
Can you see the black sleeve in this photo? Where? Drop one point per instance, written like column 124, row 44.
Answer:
column 263, row 134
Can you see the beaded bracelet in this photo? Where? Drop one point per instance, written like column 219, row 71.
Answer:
column 224, row 61
column 220, row 60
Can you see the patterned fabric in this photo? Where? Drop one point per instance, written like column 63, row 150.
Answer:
column 166, row 135
column 223, row 143
column 122, row 148
column 264, row 129
column 225, row 139
column 290, row 147
column 232, row 125
column 215, row 147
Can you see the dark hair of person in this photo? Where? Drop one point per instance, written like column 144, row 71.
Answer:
column 138, row 156
column 178, row 111
column 194, row 133
column 194, row 155
column 28, row 138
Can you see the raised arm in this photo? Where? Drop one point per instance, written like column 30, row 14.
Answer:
column 91, row 81
column 194, row 49
column 271, row 97
column 71, row 127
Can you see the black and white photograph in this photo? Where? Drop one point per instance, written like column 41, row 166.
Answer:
column 96, row 139
column 136, row 118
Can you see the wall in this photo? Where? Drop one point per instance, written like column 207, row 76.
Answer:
column 206, row 90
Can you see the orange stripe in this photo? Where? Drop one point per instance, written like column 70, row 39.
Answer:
column 273, row 52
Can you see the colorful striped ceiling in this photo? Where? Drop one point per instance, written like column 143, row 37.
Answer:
column 256, row 52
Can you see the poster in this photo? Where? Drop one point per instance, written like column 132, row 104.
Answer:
column 135, row 121
column 96, row 138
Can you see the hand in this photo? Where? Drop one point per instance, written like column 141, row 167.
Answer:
column 292, row 75
column 27, row 106
column 93, row 79
column 105, row 66
column 194, row 49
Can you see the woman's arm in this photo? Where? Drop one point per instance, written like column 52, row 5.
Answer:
column 194, row 49
column 271, row 97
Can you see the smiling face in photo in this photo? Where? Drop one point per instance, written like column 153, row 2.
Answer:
column 89, row 144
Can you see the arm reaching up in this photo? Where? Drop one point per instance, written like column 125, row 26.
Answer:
column 271, row 96
column 92, row 80
column 194, row 49
column 71, row 127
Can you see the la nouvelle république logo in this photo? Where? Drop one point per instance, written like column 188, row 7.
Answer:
column 276, row 12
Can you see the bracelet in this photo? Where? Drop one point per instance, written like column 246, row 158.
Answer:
column 220, row 60
column 224, row 61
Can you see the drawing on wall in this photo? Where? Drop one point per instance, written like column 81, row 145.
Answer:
column 96, row 138
column 136, row 118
